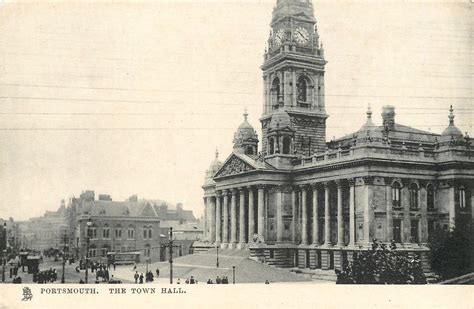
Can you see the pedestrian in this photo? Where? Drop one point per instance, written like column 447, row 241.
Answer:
column 141, row 278
column 192, row 281
column 218, row 280
column 157, row 273
column 179, row 281
column 135, row 266
column 267, row 282
column 136, row 276
column 114, row 265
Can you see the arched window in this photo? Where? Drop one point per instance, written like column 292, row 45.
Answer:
column 118, row 231
column 131, row 232
column 106, row 231
column 413, row 195
column 396, row 188
column 462, row 197
column 430, row 196
column 302, row 87
column 271, row 144
column 286, row 145
column 275, row 92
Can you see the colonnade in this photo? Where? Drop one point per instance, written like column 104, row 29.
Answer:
column 225, row 224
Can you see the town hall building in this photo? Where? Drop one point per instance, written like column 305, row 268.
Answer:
column 297, row 200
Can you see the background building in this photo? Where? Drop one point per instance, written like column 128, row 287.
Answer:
column 133, row 225
column 303, row 201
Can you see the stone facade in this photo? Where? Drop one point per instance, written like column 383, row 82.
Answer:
column 127, row 226
column 309, row 203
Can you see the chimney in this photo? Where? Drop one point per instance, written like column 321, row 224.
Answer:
column 388, row 116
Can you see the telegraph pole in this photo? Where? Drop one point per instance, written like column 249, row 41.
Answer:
column 64, row 257
column 170, row 247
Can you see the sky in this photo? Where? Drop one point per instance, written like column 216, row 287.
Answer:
column 134, row 98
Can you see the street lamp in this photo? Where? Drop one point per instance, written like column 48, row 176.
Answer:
column 233, row 274
column 64, row 257
column 89, row 223
column 217, row 256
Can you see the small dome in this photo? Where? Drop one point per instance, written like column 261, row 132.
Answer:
column 452, row 130
column 280, row 120
column 214, row 167
column 245, row 132
column 369, row 128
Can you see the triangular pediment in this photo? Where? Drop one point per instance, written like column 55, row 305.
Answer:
column 234, row 166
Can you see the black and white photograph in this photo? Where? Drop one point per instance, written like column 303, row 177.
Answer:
column 267, row 145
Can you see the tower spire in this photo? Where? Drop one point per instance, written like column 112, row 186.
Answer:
column 369, row 112
column 451, row 116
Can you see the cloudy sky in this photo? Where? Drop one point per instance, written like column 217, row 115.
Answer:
column 134, row 98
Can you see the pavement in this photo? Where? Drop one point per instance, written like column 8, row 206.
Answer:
column 202, row 266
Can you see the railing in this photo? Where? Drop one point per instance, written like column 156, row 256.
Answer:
column 372, row 149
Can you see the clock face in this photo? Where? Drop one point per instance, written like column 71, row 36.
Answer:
column 301, row 36
column 279, row 37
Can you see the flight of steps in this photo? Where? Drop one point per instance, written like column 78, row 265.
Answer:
column 316, row 274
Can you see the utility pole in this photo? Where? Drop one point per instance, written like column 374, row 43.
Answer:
column 170, row 247
column 4, row 251
column 64, row 256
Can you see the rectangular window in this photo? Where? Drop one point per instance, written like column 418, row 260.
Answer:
column 397, row 230
column 118, row 233
column 149, row 233
column 414, row 231
column 105, row 233
column 144, row 234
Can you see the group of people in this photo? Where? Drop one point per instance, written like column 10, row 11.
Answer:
column 45, row 276
column 149, row 277
column 223, row 280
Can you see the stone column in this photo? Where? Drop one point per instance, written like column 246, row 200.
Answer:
column 315, row 215
column 225, row 232
column 233, row 217
column 451, row 205
column 327, row 216
column 389, row 207
column 340, row 218
column 279, row 213
column 351, row 212
column 294, row 215
column 304, row 213
column 251, row 214
column 218, row 218
column 242, row 217
column 206, row 210
column 260, row 205
column 212, row 219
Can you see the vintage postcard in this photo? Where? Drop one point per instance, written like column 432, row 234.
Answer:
column 293, row 152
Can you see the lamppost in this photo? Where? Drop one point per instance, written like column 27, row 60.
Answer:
column 4, row 251
column 217, row 256
column 233, row 274
column 64, row 257
column 89, row 223
column 170, row 247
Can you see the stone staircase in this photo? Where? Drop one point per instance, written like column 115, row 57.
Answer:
column 316, row 274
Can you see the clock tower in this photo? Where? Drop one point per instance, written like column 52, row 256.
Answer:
column 294, row 116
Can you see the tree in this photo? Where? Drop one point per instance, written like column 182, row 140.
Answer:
column 382, row 265
column 451, row 251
